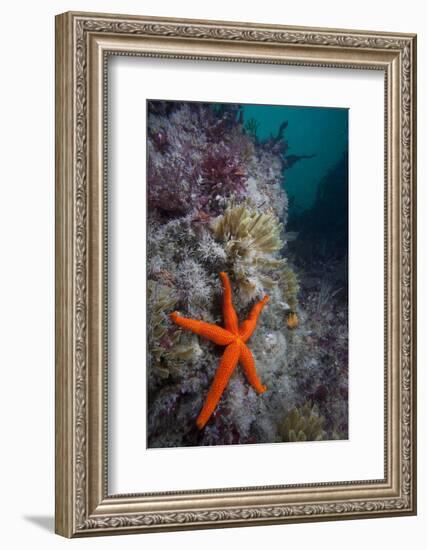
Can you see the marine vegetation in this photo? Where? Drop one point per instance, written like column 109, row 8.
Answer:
column 234, row 337
column 302, row 424
column 216, row 203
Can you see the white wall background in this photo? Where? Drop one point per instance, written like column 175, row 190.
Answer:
column 27, row 273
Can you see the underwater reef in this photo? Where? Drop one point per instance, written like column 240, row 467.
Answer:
column 217, row 203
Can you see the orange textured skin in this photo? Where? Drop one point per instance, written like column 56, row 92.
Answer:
column 233, row 337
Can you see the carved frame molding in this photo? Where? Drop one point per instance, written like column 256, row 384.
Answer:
column 83, row 43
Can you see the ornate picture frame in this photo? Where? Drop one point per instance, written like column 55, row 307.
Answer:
column 84, row 43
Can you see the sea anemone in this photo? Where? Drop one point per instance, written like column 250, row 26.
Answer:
column 167, row 346
column 302, row 424
column 248, row 232
column 250, row 239
column 161, row 299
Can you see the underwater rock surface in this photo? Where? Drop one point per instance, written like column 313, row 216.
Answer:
column 216, row 202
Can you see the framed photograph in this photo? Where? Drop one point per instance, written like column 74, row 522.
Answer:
column 235, row 274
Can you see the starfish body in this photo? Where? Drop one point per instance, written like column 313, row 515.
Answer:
column 234, row 337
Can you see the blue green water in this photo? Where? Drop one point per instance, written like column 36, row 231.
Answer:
column 321, row 131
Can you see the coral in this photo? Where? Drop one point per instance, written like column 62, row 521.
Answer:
column 211, row 251
column 302, row 424
column 248, row 232
column 321, row 374
column 163, row 339
column 290, row 286
column 193, row 286
column 216, row 202
column 202, row 163
column 223, row 172
column 161, row 300
column 233, row 337
column 250, row 239
column 196, row 156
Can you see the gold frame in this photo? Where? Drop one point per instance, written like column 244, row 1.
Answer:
column 83, row 43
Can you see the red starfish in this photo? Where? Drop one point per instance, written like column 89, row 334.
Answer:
column 233, row 337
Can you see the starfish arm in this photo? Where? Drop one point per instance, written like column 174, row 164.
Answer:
column 231, row 321
column 248, row 363
column 247, row 328
column 222, row 376
column 211, row 332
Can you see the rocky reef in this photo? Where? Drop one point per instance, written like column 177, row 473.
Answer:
column 216, row 202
